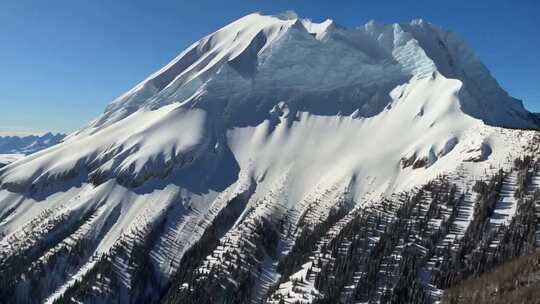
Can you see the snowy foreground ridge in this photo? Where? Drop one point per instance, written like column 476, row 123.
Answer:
column 233, row 172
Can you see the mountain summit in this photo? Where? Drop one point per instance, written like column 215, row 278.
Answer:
column 262, row 70
column 288, row 55
column 274, row 130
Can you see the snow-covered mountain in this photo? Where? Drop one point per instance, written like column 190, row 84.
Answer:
column 28, row 144
column 237, row 172
column 13, row 147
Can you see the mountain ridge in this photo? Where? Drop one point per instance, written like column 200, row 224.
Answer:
column 28, row 144
column 443, row 57
column 210, row 76
column 13, row 147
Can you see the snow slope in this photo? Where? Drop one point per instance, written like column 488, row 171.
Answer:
column 8, row 158
column 271, row 109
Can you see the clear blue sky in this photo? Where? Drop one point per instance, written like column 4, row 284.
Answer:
column 62, row 61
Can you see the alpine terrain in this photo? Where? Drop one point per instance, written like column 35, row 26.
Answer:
column 13, row 147
column 280, row 160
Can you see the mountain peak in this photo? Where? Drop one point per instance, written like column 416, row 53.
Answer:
column 266, row 158
column 28, row 144
column 237, row 76
column 288, row 15
column 251, row 46
column 418, row 21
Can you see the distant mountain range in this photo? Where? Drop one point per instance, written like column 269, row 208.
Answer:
column 13, row 147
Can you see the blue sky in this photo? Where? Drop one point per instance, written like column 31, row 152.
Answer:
column 62, row 61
